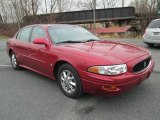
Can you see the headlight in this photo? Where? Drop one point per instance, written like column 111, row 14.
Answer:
column 109, row 70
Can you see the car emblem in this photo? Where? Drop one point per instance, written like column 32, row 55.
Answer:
column 145, row 64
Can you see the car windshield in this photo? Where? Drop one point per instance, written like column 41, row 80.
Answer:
column 71, row 34
column 154, row 24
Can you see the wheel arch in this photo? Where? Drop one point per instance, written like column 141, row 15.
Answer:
column 57, row 66
column 10, row 51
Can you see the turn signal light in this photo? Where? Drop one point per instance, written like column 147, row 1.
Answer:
column 110, row 88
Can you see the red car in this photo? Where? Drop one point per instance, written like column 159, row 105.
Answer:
column 81, row 62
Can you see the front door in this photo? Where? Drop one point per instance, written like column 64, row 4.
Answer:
column 39, row 54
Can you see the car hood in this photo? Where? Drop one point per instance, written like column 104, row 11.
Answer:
column 110, row 50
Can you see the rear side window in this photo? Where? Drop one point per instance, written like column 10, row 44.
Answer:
column 154, row 24
column 24, row 35
column 38, row 33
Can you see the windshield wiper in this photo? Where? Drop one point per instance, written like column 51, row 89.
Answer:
column 90, row 40
column 69, row 41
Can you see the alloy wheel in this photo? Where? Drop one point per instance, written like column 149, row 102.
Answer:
column 68, row 81
column 14, row 60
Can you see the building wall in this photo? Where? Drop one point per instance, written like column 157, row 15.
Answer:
column 115, row 23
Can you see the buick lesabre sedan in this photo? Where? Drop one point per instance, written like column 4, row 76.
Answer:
column 78, row 60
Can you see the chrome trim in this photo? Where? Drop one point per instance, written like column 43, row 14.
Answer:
column 143, row 69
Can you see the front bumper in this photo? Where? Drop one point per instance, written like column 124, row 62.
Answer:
column 111, row 86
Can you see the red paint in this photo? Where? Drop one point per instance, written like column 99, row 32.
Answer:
column 42, row 59
column 41, row 41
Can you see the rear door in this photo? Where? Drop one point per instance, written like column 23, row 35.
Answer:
column 21, row 45
column 153, row 30
column 39, row 56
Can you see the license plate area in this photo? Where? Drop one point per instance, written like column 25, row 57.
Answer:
column 156, row 33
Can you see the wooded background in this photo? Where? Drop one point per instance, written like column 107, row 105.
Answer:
column 13, row 12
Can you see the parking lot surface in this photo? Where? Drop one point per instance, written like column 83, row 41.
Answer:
column 25, row 95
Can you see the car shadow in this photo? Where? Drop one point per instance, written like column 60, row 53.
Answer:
column 126, row 102
column 155, row 47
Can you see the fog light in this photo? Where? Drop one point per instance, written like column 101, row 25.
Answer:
column 110, row 88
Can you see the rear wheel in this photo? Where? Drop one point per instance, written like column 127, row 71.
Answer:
column 69, row 81
column 14, row 61
column 150, row 44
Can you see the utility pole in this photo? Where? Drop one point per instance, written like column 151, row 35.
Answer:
column 122, row 3
column 158, row 8
column 94, row 13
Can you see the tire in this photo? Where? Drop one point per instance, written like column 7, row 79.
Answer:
column 150, row 44
column 69, row 81
column 14, row 61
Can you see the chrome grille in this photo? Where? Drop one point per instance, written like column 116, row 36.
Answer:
column 141, row 65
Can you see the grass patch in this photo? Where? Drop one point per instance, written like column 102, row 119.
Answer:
column 2, row 37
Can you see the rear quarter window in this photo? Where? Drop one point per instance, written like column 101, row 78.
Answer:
column 24, row 34
column 154, row 24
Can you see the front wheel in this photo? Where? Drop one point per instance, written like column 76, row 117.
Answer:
column 69, row 81
column 14, row 61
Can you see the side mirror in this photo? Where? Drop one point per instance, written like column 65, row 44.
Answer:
column 41, row 41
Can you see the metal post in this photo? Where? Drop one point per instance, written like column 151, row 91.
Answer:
column 94, row 13
column 122, row 3
column 158, row 8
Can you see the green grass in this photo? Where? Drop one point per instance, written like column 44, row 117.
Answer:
column 2, row 37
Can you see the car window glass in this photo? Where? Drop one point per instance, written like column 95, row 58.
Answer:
column 25, row 34
column 60, row 34
column 154, row 24
column 38, row 33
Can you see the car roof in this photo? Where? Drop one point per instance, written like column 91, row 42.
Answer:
column 53, row 25
column 155, row 19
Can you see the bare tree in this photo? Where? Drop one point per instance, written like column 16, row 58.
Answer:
column 144, row 6
column 25, row 7
column 16, row 7
column 64, row 5
column 4, row 11
column 35, row 6
column 49, row 6
column 109, row 3
column 146, row 9
column 15, row 10
column 46, row 6
column 85, row 5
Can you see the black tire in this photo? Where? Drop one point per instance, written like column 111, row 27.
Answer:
column 78, row 91
column 16, row 64
column 150, row 44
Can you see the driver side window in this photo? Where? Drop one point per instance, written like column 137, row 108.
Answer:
column 37, row 33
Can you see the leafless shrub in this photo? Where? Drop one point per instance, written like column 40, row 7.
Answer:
column 146, row 10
